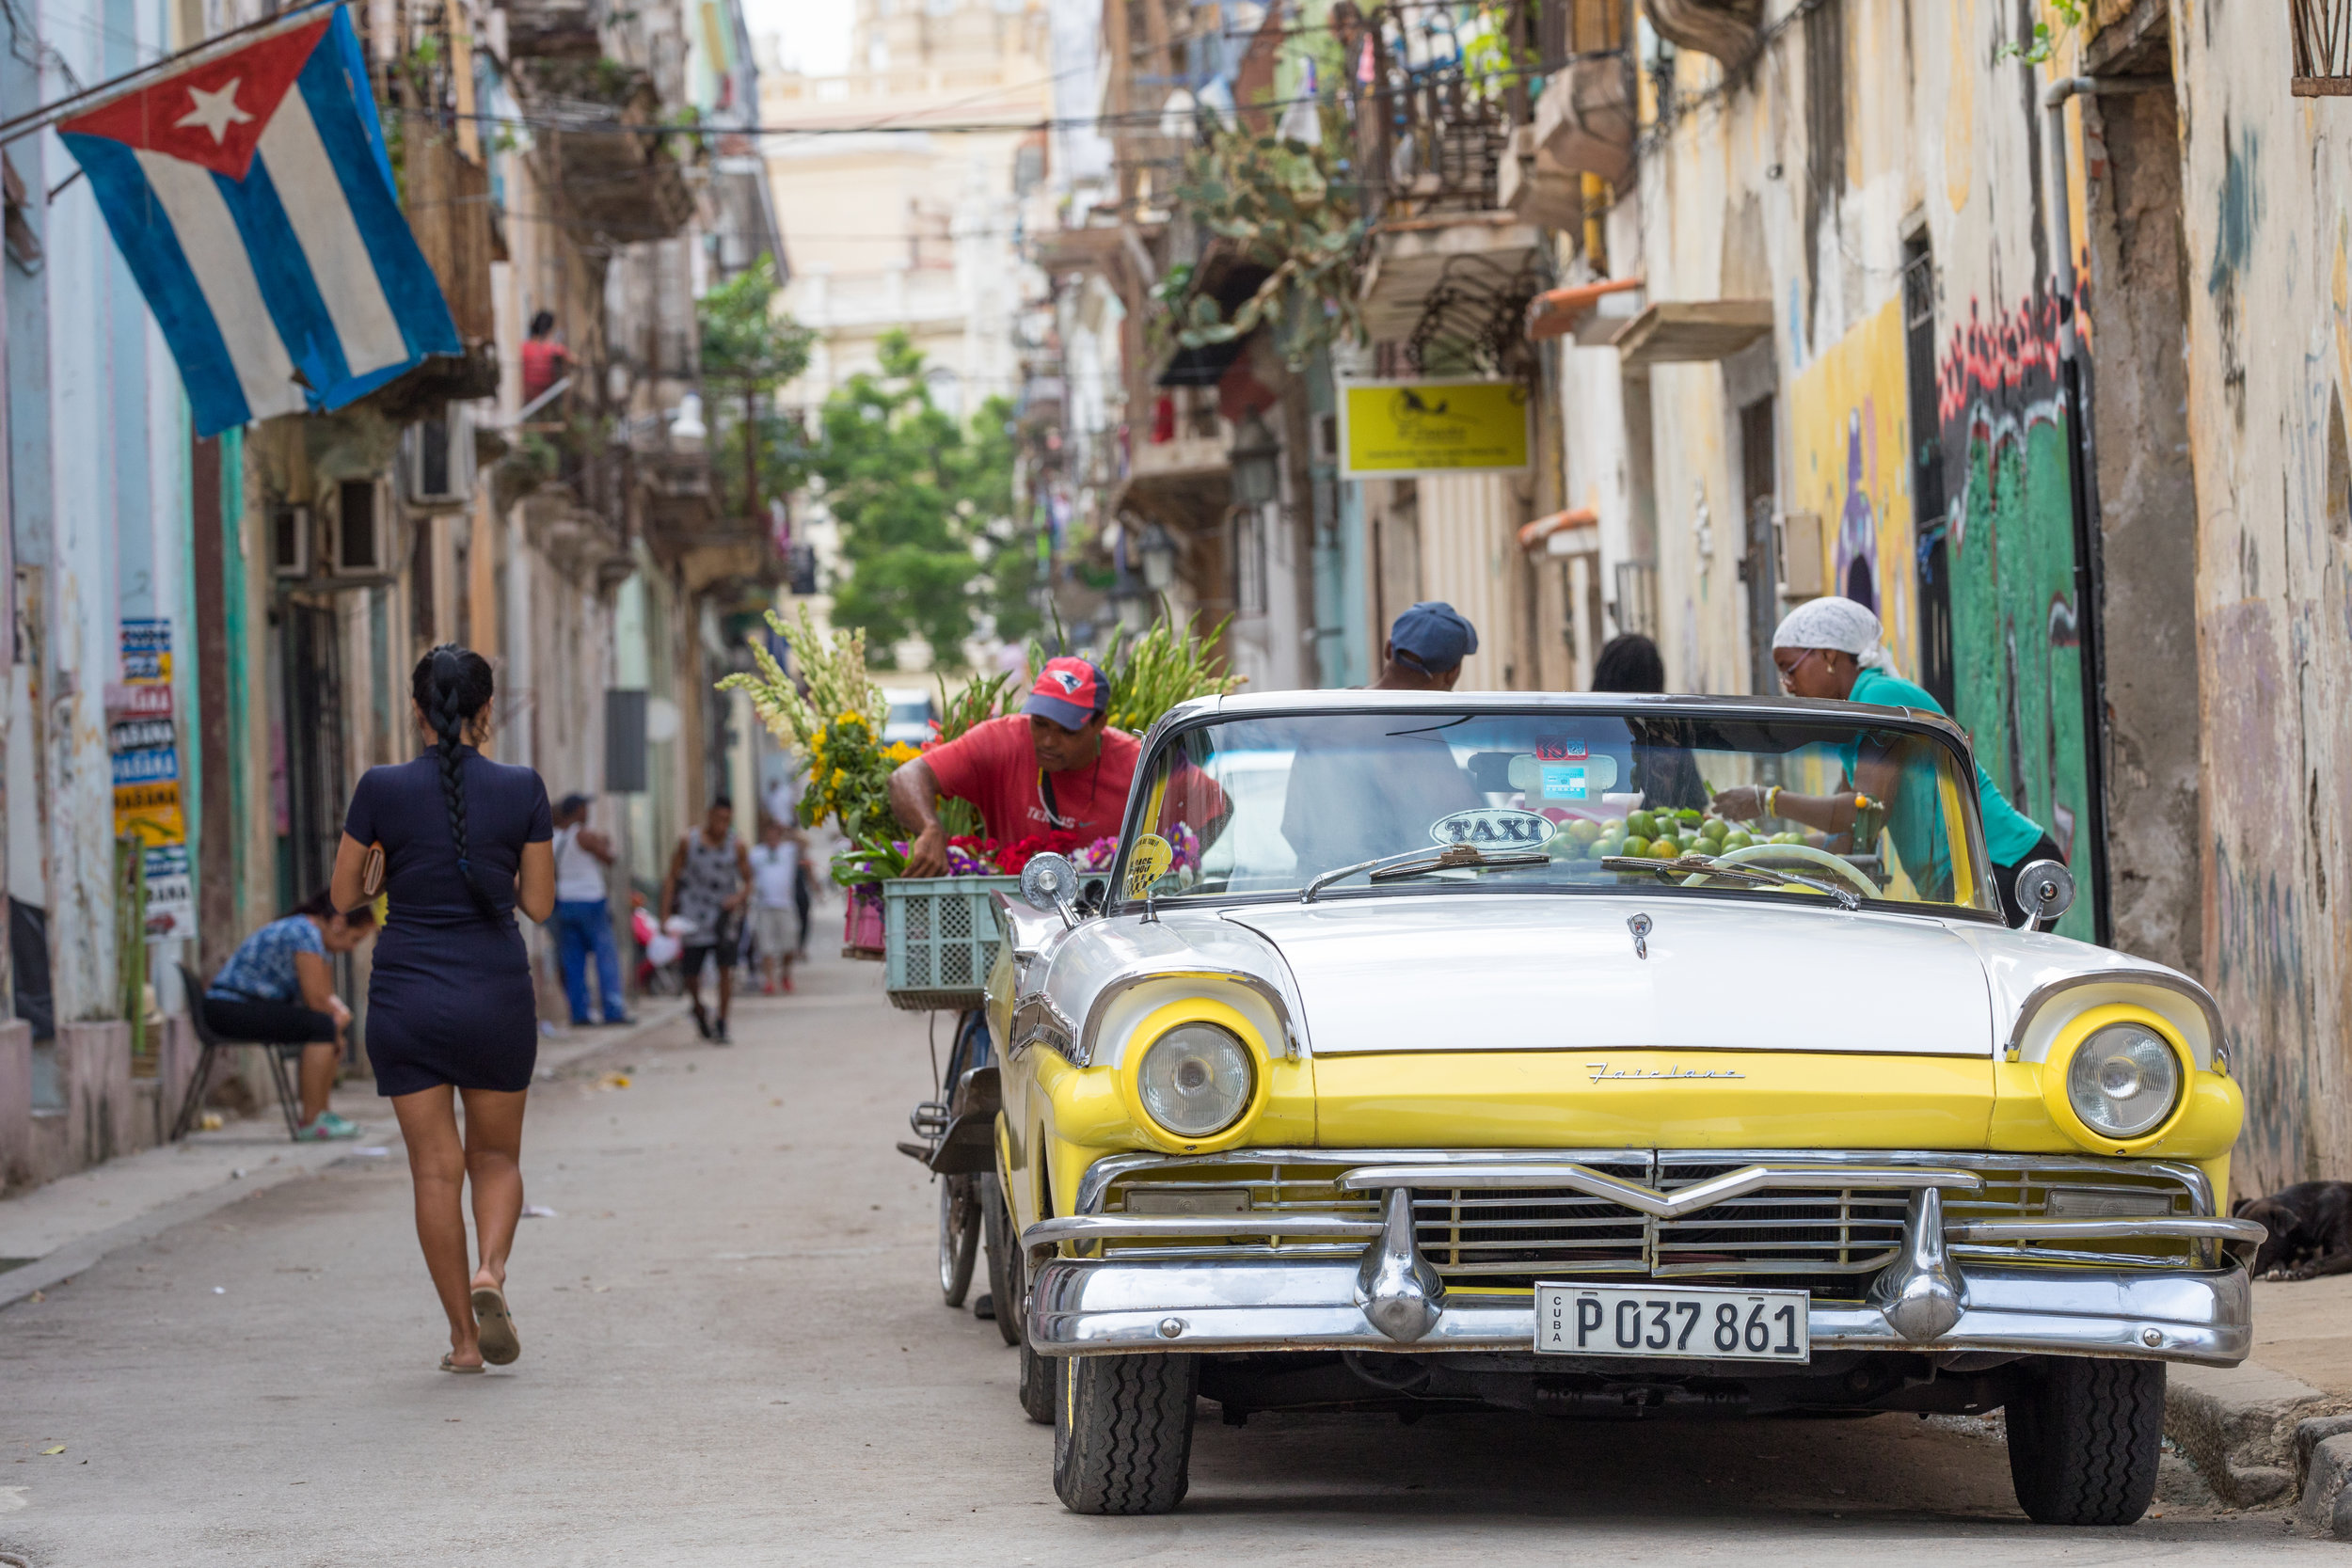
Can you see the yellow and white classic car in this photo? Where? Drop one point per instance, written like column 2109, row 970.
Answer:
column 1431, row 1050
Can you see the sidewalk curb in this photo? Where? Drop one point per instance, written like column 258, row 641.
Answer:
column 77, row 1256
column 2239, row 1426
column 62, row 1264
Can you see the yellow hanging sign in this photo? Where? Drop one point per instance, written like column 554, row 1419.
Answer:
column 1400, row 428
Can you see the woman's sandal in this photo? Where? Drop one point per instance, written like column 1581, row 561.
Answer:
column 448, row 1365
column 496, row 1326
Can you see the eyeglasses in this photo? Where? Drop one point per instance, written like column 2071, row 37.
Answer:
column 1788, row 676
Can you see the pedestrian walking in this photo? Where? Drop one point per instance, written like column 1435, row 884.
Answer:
column 277, row 988
column 583, row 920
column 779, row 866
column 709, row 882
column 451, row 1009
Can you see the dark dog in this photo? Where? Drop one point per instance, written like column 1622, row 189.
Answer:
column 2310, row 1230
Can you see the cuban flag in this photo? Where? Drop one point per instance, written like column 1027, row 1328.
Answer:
column 253, row 200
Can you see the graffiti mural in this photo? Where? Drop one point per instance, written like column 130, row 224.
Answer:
column 1849, row 431
column 2016, row 651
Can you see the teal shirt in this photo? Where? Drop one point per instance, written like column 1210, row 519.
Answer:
column 2009, row 835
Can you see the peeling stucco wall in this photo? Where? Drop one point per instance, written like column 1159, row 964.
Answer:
column 2268, row 262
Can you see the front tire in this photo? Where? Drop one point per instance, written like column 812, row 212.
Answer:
column 1123, row 1433
column 2084, row 1440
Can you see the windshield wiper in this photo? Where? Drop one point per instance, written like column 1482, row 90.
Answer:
column 1415, row 862
column 1846, row 897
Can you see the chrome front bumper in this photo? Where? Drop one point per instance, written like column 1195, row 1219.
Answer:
column 1080, row 1307
column 1391, row 1298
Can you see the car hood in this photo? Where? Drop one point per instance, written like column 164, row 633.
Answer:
column 1470, row 973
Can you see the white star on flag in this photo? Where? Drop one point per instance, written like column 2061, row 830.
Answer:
column 216, row 111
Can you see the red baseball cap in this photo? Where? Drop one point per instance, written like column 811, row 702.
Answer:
column 1070, row 692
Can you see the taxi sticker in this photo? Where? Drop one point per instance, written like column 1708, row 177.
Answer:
column 1565, row 780
column 1559, row 748
column 1147, row 862
column 1494, row 828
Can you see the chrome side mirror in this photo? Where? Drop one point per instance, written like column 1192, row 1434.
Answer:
column 2045, row 890
column 1049, row 881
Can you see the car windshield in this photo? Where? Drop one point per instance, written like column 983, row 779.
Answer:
column 1275, row 805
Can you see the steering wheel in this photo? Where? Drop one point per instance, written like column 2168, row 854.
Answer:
column 1804, row 854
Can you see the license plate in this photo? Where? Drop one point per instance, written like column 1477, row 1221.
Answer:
column 1682, row 1322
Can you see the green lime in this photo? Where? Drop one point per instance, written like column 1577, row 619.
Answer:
column 1603, row 851
column 1636, row 847
column 1714, row 827
column 1739, row 838
column 1664, row 850
column 1639, row 824
column 1585, row 830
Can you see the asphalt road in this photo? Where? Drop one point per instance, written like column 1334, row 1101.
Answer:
column 734, row 1353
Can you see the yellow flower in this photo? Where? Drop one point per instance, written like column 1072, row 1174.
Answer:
column 819, row 740
column 851, row 717
column 902, row 752
column 840, row 776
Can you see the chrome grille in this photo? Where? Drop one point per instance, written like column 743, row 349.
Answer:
column 1830, row 1242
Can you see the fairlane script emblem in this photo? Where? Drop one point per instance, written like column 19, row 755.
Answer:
column 1602, row 1069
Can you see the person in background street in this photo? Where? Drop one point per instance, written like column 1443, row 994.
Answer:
column 709, row 882
column 451, row 1006
column 1665, row 772
column 583, row 920
column 277, row 988
column 1834, row 648
column 1425, row 649
column 545, row 361
column 779, row 866
column 1628, row 662
column 1055, row 766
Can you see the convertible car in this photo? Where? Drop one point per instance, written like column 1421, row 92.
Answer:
column 1440, row 1052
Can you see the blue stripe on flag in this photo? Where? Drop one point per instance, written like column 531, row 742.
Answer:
column 152, row 249
column 334, row 87
column 280, row 267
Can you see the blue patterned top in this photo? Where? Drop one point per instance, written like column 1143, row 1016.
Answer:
column 263, row 968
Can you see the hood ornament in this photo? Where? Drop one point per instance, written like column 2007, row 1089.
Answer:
column 1639, row 925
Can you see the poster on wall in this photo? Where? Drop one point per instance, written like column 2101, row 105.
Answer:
column 1400, row 429
column 144, row 743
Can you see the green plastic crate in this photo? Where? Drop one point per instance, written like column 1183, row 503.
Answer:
column 938, row 936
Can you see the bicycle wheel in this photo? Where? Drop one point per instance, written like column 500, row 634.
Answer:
column 959, row 1237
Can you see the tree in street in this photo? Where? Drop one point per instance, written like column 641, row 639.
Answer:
column 919, row 498
column 748, row 350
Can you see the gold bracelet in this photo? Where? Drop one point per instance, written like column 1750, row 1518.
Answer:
column 1771, row 801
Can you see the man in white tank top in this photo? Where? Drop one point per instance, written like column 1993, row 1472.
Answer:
column 779, row 865
column 583, row 925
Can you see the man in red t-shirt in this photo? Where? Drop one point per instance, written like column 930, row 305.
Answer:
column 1055, row 766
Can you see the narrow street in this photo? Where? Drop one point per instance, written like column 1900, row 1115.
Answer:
column 734, row 1354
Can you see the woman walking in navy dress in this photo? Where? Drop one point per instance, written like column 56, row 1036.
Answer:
column 451, row 1008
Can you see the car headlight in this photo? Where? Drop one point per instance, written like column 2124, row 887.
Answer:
column 1196, row 1080
column 2123, row 1081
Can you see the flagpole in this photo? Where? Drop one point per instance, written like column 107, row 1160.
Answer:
column 48, row 113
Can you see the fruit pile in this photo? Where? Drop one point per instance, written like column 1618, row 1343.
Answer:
column 1660, row 835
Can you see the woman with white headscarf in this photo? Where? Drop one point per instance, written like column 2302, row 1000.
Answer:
column 1834, row 648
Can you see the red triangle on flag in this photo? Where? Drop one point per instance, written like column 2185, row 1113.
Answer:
column 213, row 113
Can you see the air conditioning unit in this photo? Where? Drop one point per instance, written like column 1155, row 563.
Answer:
column 359, row 542
column 290, row 541
column 437, row 459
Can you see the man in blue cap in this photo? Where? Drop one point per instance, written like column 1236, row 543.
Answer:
column 1349, row 802
column 1425, row 649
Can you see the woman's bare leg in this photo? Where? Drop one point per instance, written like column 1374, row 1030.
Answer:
column 437, row 1167
column 318, row 1078
column 494, row 1150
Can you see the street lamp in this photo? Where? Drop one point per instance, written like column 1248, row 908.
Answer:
column 1159, row 557
column 1256, row 459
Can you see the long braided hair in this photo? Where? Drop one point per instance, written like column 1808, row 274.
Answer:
column 452, row 685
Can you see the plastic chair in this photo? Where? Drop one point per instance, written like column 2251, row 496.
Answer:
column 278, row 1056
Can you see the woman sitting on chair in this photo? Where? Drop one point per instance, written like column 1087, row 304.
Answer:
column 278, row 991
